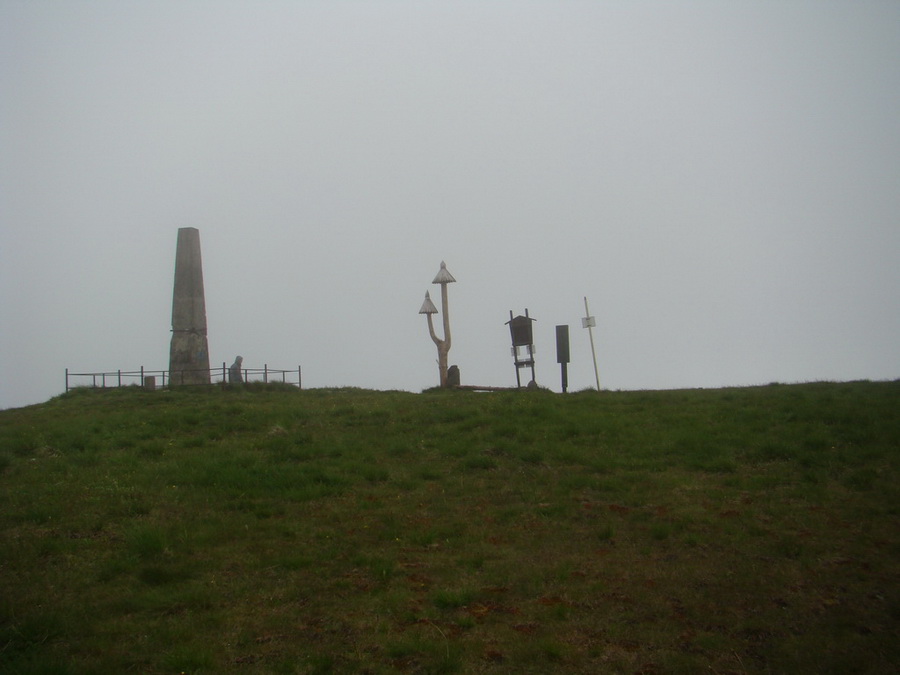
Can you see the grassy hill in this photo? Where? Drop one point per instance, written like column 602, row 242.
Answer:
column 271, row 530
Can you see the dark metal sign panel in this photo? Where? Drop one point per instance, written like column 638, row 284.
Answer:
column 562, row 344
column 520, row 331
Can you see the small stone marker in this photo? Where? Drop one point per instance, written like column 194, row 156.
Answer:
column 234, row 371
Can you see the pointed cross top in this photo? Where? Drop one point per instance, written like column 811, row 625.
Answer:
column 443, row 276
column 428, row 306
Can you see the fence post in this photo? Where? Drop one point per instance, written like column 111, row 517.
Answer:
column 265, row 373
column 142, row 376
column 299, row 379
column 67, row 379
column 120, row 377
column 224, row 380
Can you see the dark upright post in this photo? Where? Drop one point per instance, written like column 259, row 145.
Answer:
column 562, row 354
column 189, row 350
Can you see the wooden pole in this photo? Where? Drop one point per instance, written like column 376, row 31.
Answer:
column 587, row 314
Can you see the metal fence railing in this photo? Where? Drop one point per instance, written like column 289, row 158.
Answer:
column 152, row 379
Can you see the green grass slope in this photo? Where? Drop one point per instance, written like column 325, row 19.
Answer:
column 271, row 530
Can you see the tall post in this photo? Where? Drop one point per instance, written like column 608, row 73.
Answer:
column 589, row 322
column 443, row 345
column 562, row 354
column 189, row 349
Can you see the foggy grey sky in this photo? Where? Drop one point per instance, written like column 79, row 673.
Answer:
column 720, row 179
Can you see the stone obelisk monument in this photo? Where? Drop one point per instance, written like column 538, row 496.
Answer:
column 189, row 351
